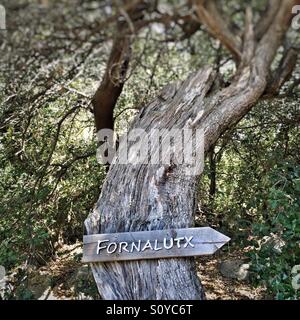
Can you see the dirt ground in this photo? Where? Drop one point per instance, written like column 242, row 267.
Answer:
column 218, row 287
column 67, row 279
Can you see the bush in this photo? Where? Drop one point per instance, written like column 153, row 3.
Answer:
column 276, row 238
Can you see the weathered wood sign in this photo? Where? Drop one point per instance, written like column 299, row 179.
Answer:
column 152, row 244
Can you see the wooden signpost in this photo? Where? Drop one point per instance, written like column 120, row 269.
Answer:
column 152, row 244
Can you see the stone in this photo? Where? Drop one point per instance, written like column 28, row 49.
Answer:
column 235, row 269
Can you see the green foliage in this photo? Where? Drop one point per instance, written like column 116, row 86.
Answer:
column 257, row 201
column 274, row 258
column 46, row 192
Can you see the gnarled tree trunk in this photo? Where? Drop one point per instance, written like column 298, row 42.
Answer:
column 150, row 197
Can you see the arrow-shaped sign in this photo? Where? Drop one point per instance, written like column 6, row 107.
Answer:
column 154, row 244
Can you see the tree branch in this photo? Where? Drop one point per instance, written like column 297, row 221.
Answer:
column 107, row 94
column 216, row 25
column 283, row 72
column 267, row 18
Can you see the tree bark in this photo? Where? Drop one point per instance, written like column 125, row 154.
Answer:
column 152, row 197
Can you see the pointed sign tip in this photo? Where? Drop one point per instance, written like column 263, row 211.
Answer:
column 217, row 235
